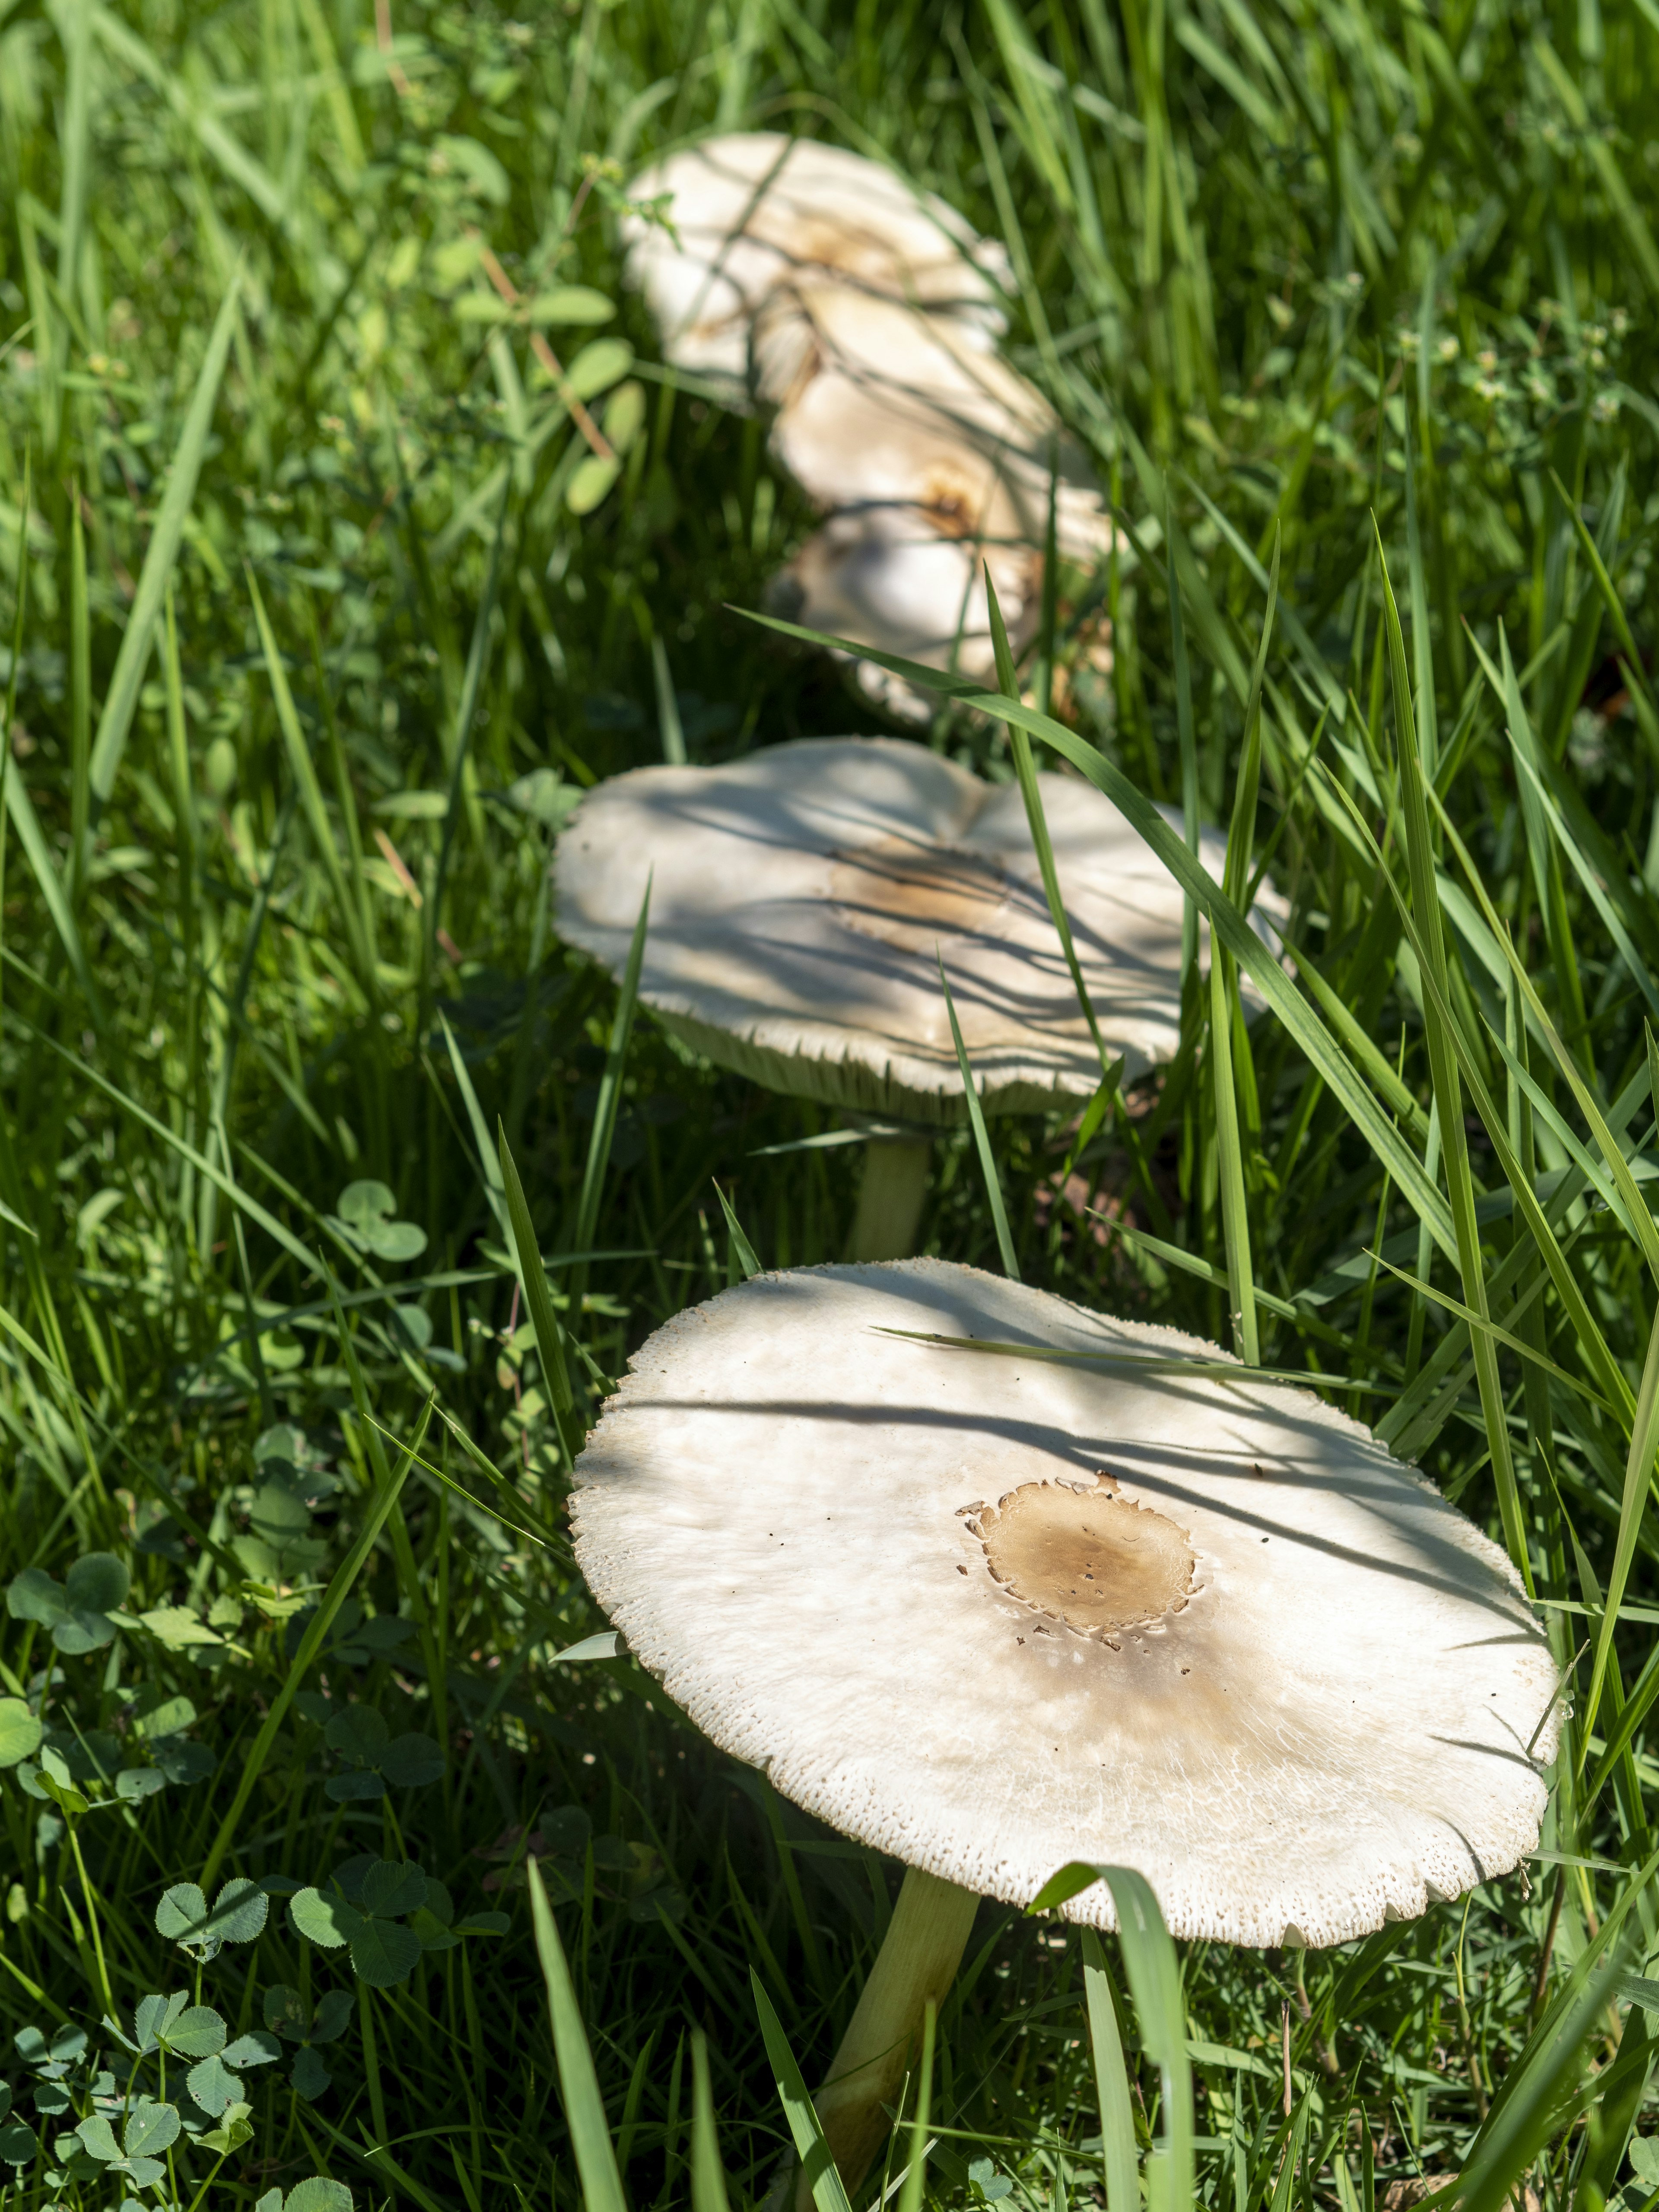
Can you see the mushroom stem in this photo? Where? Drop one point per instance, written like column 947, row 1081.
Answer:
column 918, row 1961
column 890, row 1198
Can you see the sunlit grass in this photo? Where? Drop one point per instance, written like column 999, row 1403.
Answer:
column 317, row 613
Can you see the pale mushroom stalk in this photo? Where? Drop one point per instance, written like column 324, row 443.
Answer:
column 918, row 1961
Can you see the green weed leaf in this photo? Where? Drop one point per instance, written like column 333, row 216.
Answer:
column 308, row 2075
column 214, row 2086
column 150, row 2128
column 19, row 1731
column 383, row 1954
column 322, row 1919
column 98, row 2139
column 317, row 2195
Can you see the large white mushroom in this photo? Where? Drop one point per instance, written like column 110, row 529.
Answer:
column 993, row 1613
column 803, row 899
column 753, row 210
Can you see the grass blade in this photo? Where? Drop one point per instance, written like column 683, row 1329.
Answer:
column 1154, row 1977
column 311, row 796
column 709, row 2192
column 1031, row 791
column 828, row 2193
column 539, row 1304
column 1444, row 1065
column 1117, row 2120
column 121, row 700
column 742, row 1249
column 915, row 2172
column 981, row 1137
column 610, row 1098
column 579, row 2087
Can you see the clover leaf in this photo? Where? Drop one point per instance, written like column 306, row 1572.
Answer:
column 360, row 1735
column 150, row 2127
column 215, row 2083
column 239, row 1915
column 285, row 2015
column 382, row 1951
column 366, row 1220
column 76, row 1610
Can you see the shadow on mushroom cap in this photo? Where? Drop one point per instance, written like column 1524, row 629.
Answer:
column 799, row 897
column 793, row 1518
column 753, row 210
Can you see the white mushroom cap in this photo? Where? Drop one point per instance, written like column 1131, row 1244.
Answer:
column 754, row 209
column 798, row 896
column 1301, row 1690
column 885, row 576
column 880, row 405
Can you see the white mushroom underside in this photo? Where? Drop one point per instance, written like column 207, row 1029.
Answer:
column 1333, row 1730
column 753, row 955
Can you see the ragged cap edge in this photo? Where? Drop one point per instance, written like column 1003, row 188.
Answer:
column 1445, row 1865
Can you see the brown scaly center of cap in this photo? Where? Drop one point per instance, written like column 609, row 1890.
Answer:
column 912, row 895
column 1087, row 1557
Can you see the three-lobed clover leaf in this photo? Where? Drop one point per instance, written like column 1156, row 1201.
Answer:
column 285, row 2015
column 175, row 2026
column 215, row 2083
column 366, row 1923
column 76, row 1611
column 365, row 1217
column 239, row 1915
column 151, row 2128
column 359, row 1734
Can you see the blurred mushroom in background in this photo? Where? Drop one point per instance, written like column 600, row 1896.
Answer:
column 817, row 281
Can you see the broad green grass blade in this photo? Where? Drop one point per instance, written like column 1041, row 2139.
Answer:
column 138, row 638
column 670, row 730
column 915, row 2172
column 1444, row 1064
column 610, row 1098
column 981, row 1137
column 827, row 2192
column 1154, row 1975
column 1031, row 791
column 1186, row 739
column 708, row 2192
column 1225, row 1016
column 1632, row 1509
column 1118, row 2151
column 579, row 2088
column 550, row 1337
column 742, row 1248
